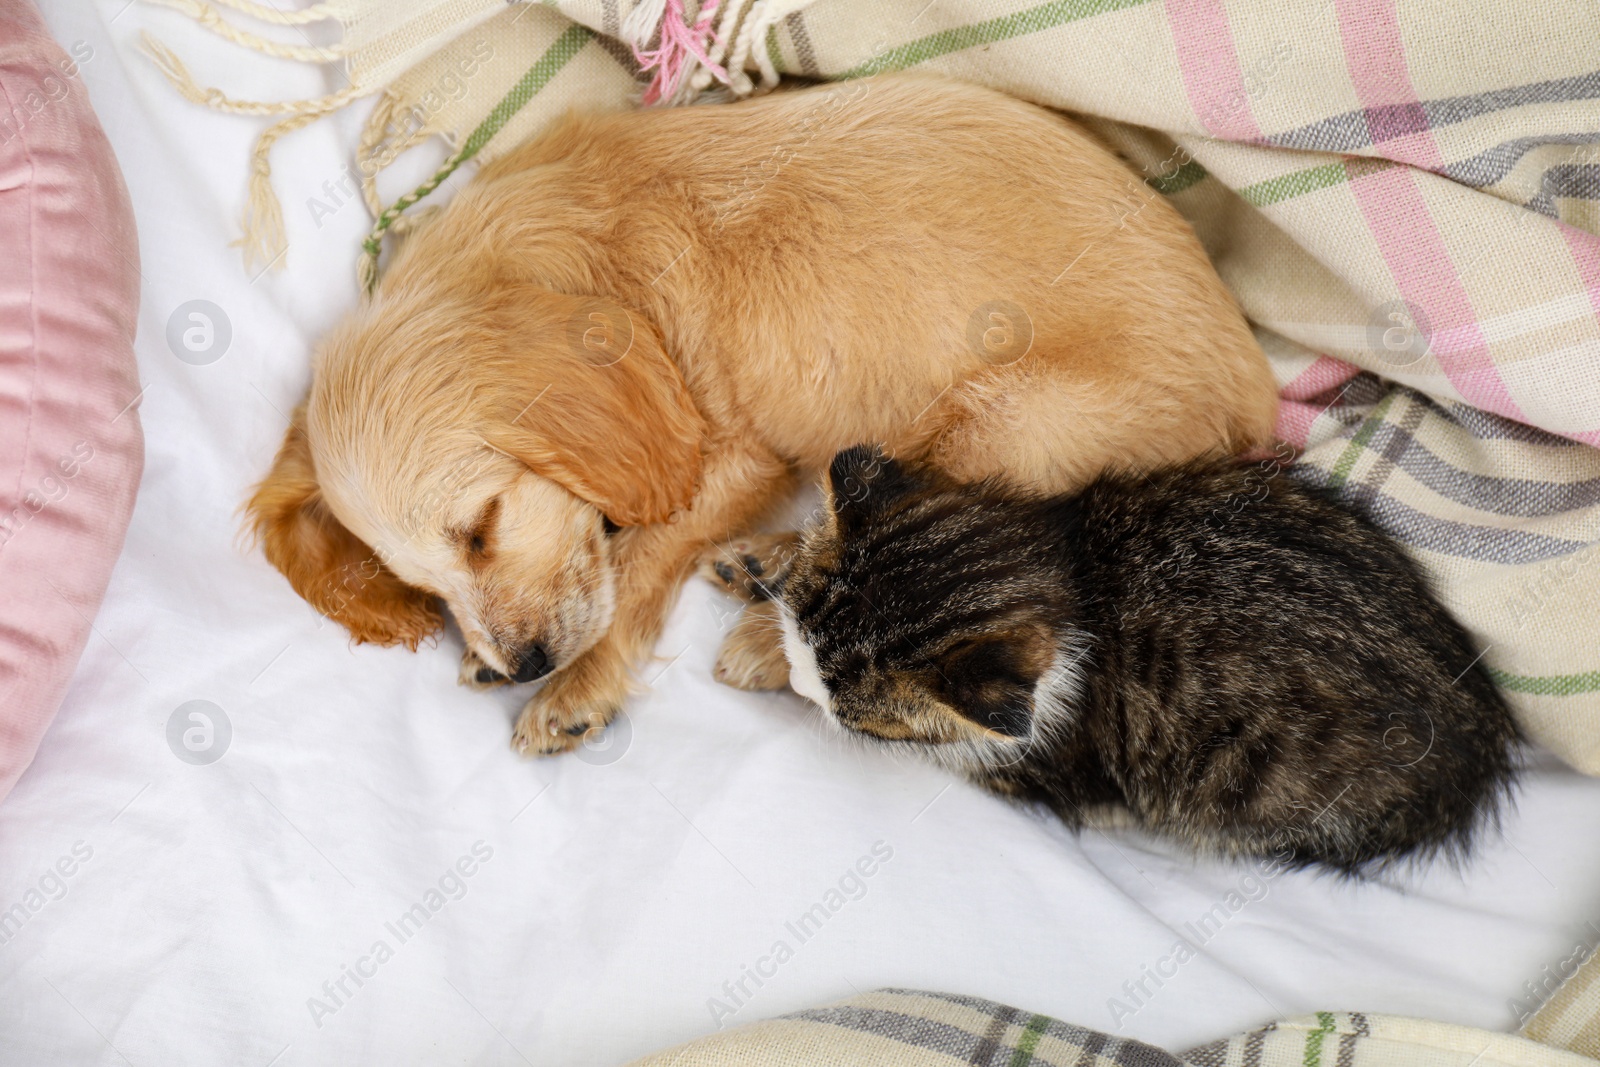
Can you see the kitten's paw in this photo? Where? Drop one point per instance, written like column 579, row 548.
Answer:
column 476, row 674
column 752, row 656
column 747, row 566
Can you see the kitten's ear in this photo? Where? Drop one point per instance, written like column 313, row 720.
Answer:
column 862, row 478
column 990, row 680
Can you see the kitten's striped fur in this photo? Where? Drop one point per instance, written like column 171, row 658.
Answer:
column 1236, row 658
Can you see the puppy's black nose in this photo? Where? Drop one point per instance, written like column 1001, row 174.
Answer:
column 531, row 664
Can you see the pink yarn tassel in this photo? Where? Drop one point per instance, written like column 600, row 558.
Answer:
column 678, row 42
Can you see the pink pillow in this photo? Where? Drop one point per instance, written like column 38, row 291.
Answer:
column 70, row 446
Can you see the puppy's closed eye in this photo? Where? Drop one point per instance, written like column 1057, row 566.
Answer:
column 477, row 540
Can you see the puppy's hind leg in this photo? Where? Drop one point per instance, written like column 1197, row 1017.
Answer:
column 1048, row 427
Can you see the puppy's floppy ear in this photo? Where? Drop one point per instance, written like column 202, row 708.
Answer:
column 862, row 480
column 591, row 401
column 990, row 680
column 326, row 564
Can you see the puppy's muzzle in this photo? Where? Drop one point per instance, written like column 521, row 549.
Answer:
column 532, row 663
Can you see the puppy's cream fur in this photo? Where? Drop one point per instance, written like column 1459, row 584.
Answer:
column 663, row 317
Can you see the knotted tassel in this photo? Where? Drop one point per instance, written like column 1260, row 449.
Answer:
column 680, row 47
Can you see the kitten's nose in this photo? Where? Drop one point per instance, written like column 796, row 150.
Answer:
column 531, row 663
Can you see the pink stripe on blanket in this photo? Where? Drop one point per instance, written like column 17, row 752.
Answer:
column 1416, row 256
column 1318, row 378
column 1295, row 419
column 1375, row 56
column 1304, row 398
column 1210, row 68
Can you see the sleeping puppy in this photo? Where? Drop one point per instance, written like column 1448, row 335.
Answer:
column 625, row 340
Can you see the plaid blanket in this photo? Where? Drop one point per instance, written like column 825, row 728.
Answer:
column 1565, row 1013
column 909, row 1028
column 1404, row 196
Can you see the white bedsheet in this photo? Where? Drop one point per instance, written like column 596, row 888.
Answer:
column 609, row 902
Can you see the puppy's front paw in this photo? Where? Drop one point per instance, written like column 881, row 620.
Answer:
column 476, row 674
column 543, row 730
column 573, row 703
column 749, row 566
column 752, row 655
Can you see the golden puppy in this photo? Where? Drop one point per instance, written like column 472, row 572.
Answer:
column 653, row 322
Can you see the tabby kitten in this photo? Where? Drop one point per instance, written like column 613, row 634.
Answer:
column 1230, row 657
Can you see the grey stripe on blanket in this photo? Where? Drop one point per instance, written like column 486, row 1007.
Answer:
column 1354, row 130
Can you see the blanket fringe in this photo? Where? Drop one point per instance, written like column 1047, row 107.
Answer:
column 393, row 219
column 178, row 75
column 643, row 22
column 262, row 236
column 689, row 56
column 751, row 35
column 212, row 19
column 261, row 224
column 681, row 49
column 375, row 150
column 721, row 43
column 287, row 17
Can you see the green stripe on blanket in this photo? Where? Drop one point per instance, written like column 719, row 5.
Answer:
column 1347, row 459
column 1553, row 685
column 1313, row 1056
column 549, row 65
column 1295, row 183
column 1029, row 1041
column 1177, row 181
column 774, row 53
column 1020, row 24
